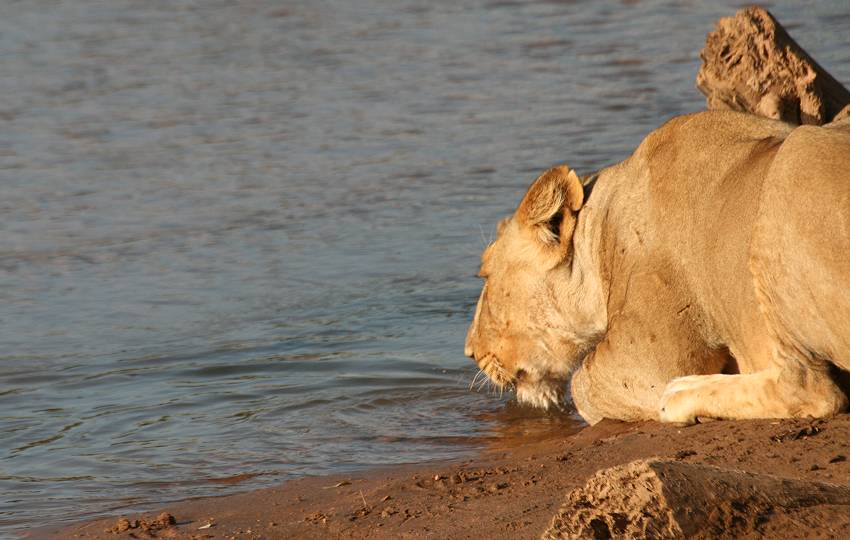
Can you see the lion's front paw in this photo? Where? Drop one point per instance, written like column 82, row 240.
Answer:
column 686, row 398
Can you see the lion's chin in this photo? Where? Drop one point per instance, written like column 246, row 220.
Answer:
column 544, row 394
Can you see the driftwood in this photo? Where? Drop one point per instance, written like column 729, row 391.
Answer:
column 750, row 63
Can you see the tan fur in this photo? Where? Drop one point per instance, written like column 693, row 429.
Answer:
column 708, row 275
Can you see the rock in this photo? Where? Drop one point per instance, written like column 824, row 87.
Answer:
column 750, row 63
column 123, row 524
column 674, row 499
column 165, row 520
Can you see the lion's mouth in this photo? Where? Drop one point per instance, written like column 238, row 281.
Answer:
column 543, row 394
column 538, row 392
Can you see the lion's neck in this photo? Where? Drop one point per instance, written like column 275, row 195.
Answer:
column 586, row 288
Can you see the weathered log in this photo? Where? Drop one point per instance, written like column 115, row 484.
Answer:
column 750, row 63
column 658, row 498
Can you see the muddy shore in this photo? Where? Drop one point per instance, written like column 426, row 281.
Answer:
column 508, row 492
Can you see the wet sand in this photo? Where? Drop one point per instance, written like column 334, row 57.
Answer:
column 512, row 491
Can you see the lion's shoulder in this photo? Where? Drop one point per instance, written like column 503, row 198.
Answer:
column 693, row 134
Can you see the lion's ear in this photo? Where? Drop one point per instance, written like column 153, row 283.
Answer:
column 551, row 204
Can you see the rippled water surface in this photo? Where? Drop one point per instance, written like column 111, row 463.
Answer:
column 240, row 238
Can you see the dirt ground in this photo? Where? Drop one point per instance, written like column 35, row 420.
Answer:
column 508, row 492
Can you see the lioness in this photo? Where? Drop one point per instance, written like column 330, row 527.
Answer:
column 708, row 275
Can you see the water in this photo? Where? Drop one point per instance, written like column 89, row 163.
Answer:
column 238, row 239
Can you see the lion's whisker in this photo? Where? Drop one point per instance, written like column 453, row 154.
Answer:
column 475, row 378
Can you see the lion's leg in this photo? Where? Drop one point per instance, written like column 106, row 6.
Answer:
column 793, row 388
column 625, row 376
column 584, row 399
column 601, row 389
column 596, row 395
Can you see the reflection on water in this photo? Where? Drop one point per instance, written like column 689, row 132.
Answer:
column 514, row 425
column 238, row 238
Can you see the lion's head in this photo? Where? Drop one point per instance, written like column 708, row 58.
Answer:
column 531, row 325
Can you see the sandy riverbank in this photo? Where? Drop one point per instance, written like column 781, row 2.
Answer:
column 509, row 492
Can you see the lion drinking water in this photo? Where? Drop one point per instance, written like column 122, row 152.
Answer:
column 708, row 275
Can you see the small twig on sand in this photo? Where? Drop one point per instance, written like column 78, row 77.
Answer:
column 338, row 484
